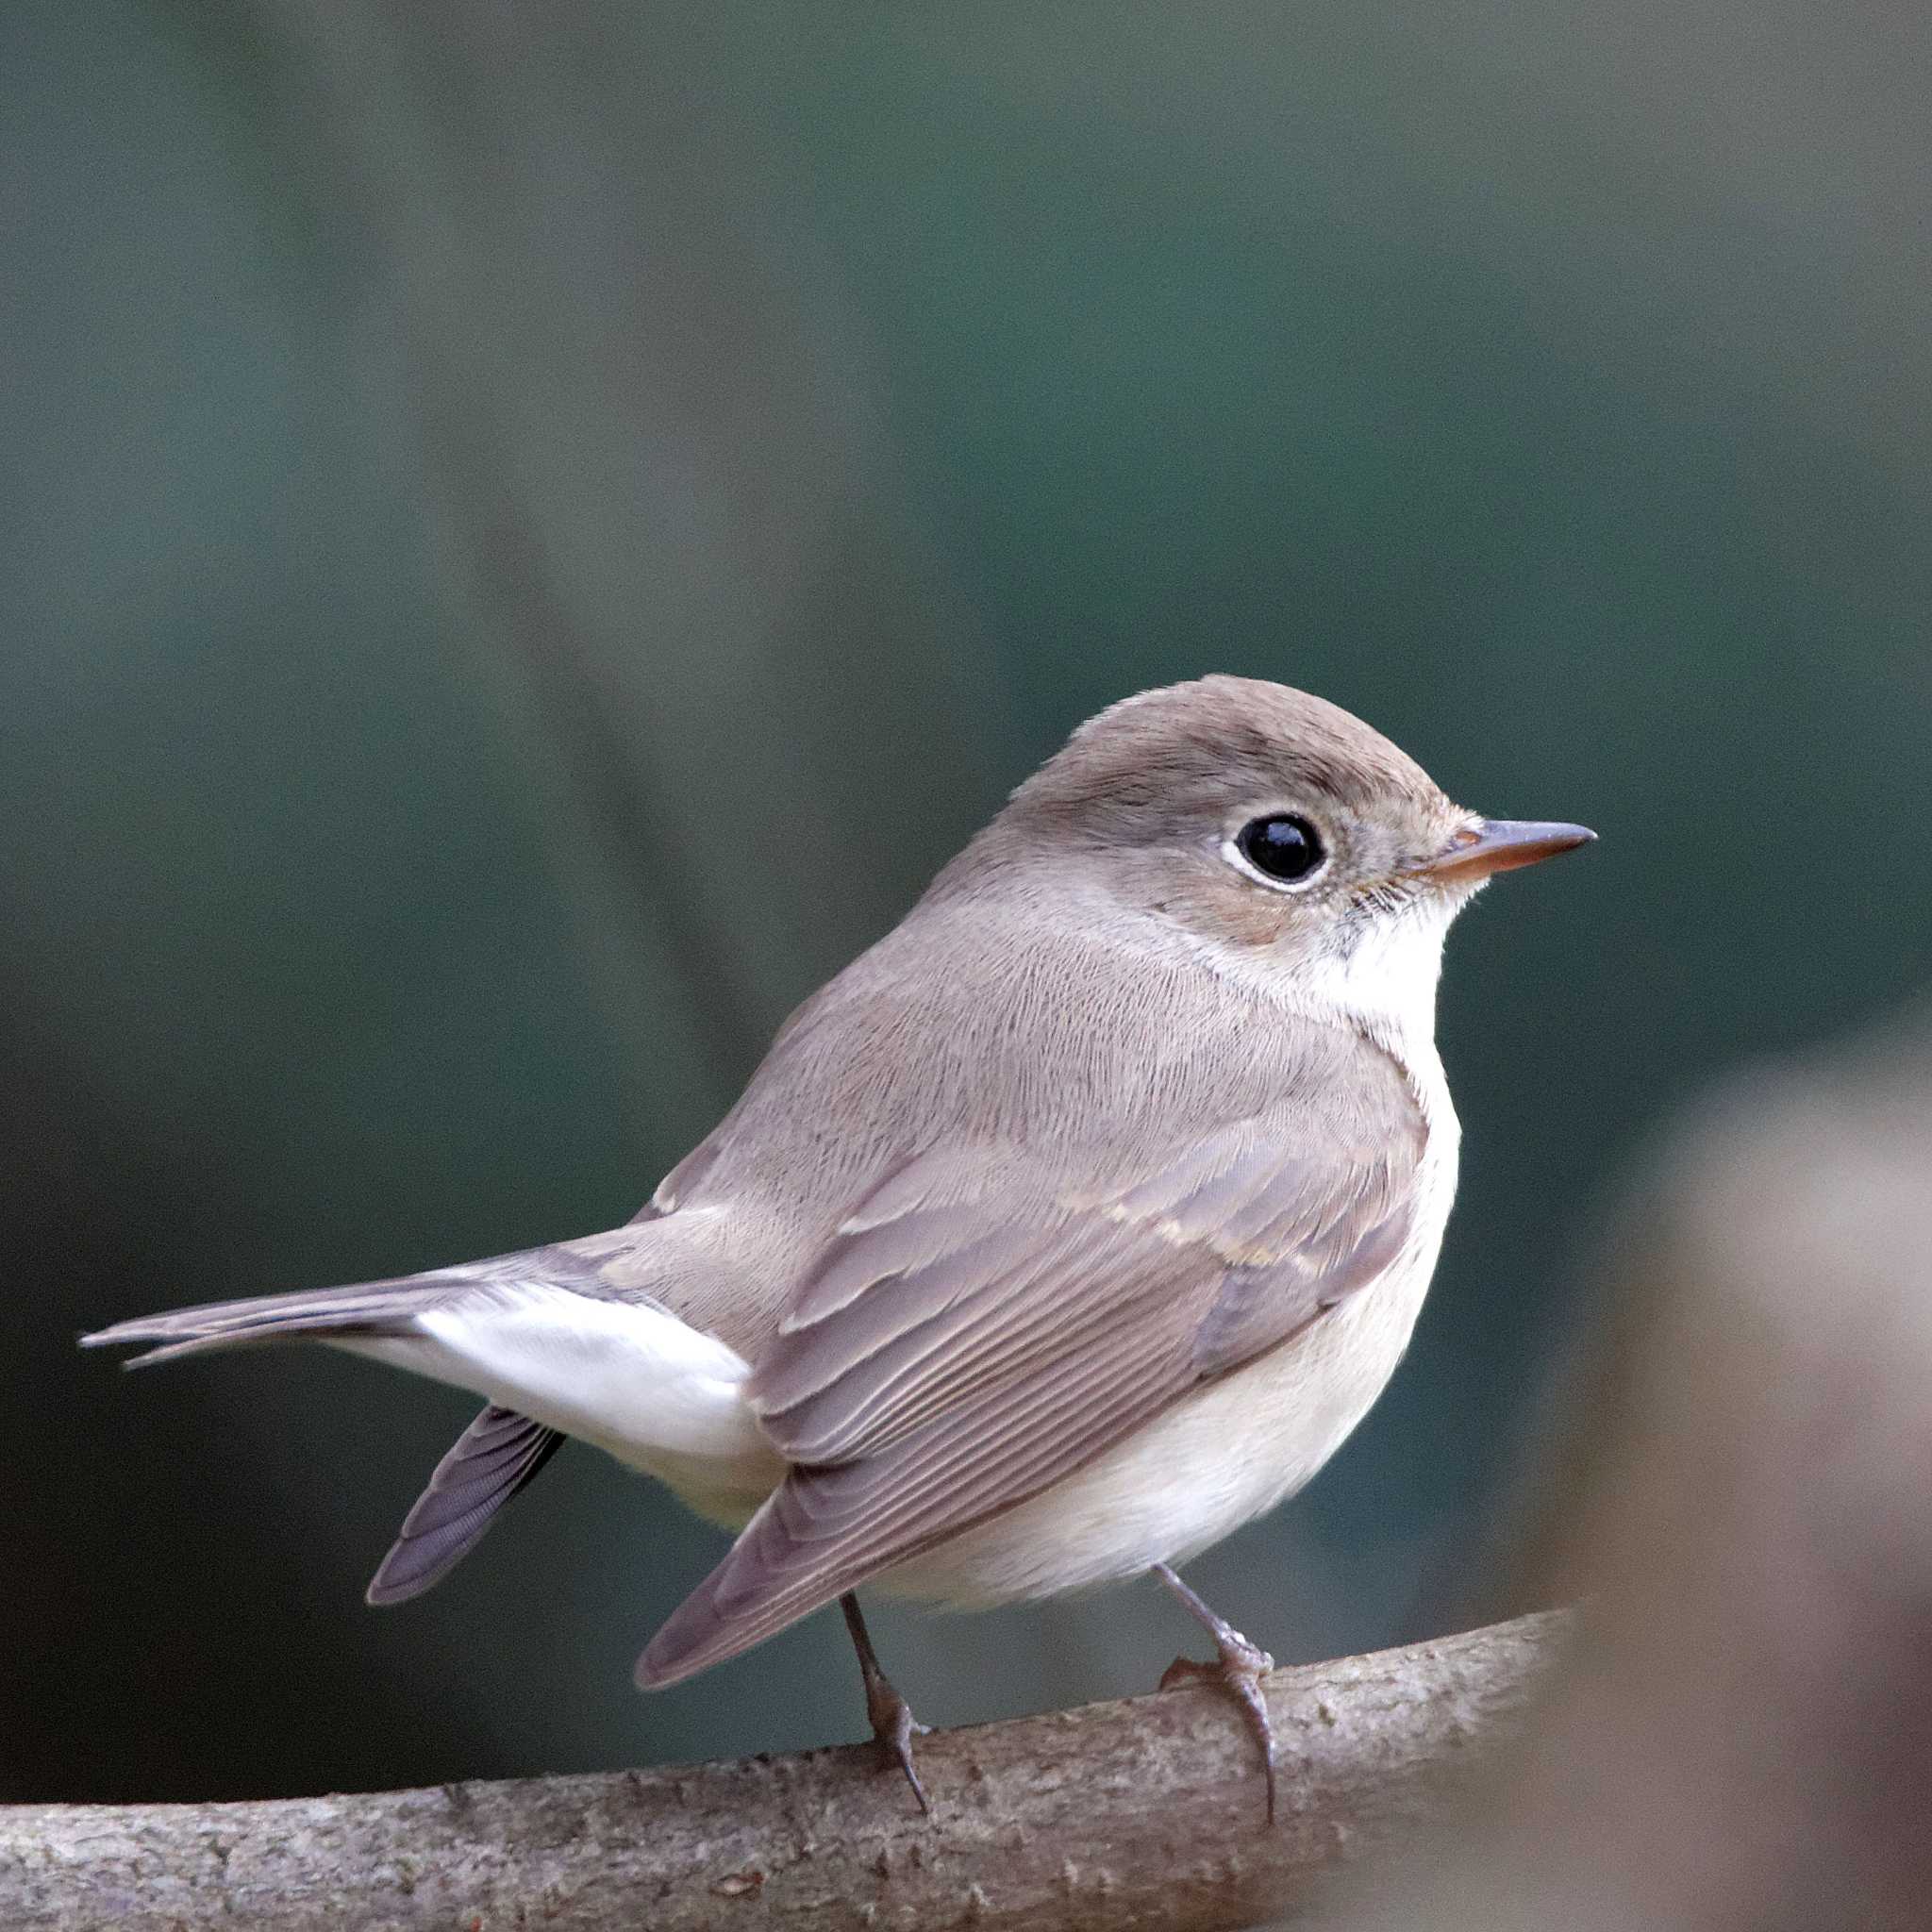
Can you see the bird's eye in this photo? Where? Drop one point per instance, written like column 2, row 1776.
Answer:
column 1282, row 847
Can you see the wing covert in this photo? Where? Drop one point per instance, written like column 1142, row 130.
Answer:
column 984, row 1323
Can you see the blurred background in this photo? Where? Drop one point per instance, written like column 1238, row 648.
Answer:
column 529, row 534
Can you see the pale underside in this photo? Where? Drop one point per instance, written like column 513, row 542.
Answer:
column 1012, row 1359
column 1215, row 1459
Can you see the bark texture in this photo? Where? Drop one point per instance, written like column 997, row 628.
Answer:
column 1145, row 1813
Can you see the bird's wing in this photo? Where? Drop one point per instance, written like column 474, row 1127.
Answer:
column 993, row 1316
column 490, row 1461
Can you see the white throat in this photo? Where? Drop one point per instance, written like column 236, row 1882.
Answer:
column 1387, row 981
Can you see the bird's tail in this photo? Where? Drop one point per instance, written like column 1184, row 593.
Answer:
column 330, row 1314
column 558, row 1340
column 559, row 1334
column 371, row 1310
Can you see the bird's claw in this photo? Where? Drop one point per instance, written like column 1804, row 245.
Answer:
column 894, row 1728
column 1238, row 1670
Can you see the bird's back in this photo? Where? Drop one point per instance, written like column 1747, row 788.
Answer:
column 1111, row 1033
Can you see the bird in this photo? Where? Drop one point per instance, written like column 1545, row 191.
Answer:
column 1072, row 1226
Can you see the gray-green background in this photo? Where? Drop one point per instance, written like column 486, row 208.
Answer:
column 529, row 533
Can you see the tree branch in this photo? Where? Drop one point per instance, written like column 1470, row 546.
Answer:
column 1145, row 1813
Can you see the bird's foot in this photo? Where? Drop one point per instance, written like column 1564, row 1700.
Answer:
column 892, row 1722
column 1238, row 1668
column 894, row 1728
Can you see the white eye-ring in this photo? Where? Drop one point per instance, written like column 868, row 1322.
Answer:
column 1283, row 850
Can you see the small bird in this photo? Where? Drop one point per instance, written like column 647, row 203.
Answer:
column 1069, row 1228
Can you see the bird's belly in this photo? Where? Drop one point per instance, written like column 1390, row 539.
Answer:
column 1215, row 1460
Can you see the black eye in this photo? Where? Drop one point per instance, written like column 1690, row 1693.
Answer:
column 1282, row 847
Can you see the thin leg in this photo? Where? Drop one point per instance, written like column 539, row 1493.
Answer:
column 892, row 1722
column 1239, row 1671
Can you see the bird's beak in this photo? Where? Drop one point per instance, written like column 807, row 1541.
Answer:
column 1493, row 845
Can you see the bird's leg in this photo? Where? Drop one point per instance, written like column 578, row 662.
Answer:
column 1238, row 1670
column 892, row 1722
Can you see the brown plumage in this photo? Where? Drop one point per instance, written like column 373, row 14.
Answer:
column 997, row 1312
column 1073, row 1224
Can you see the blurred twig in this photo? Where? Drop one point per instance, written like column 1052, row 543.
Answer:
column 667, row 533
column 1741, row 1735
column 1145, row 1813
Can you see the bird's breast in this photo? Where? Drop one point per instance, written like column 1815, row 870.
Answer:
column 1219, row 1457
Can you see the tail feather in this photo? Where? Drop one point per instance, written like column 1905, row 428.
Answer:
column 365, row 1310
column 368, row 1308
column 551, row 1344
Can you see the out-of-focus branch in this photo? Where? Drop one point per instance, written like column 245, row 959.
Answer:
column 1740, row 1488
column 666, row 526
column 1146, row 1813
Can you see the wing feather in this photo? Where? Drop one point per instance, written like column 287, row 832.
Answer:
column 976, row 1331
column 493, row 1459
